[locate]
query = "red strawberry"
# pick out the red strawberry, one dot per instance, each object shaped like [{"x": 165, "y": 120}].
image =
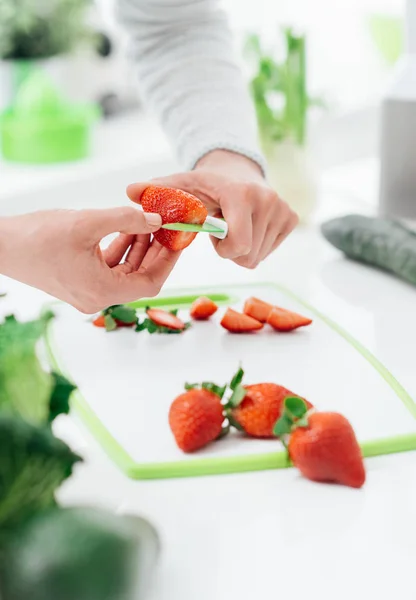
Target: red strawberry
[
  {"x": 174, "y": 206},
  {"x": 236, "y": 322},
  {"x": 261, "y": 407},
  {"x": 203, "y": 308},
  {"x": 257, "y": 309},
  {"x": 99, "y": 321},
  {"x": 165, "y": 319},
  {"x": 196, "y": 419},
  {"x": 322, "y": 446},
  {"x": 285, "y": 320}
]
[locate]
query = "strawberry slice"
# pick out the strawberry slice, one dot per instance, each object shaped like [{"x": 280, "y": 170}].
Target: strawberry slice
[
  {"x": 163, "y": 318},
  {"x": 258, "y": 309},
  {"x": 236, "y": 322},
  {"x": 174, "y": 206},
  {"x": 99, "y": 321},
  {"x": 285, "y": 320},
  {"x": 203, "y": 308}
]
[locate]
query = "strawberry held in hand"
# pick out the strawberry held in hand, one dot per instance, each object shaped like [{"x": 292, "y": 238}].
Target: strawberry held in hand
[
  {"x": 322, "y": 446},
  {"x": 174, "y": 206}
]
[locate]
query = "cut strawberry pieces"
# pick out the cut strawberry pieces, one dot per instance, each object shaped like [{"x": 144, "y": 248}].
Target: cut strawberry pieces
[
  {"x": 165, "y": 319},
  {"x": 203, "y": 308},
  {"x": 236, "y": 322},
  {"x": 258, "y": 309},
  {"x": 285, "y": 320}
]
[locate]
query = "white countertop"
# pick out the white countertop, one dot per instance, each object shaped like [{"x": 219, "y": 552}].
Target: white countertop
[{"x": 267, "y": 534}]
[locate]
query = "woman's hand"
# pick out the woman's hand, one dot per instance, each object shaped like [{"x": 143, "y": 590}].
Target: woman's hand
[
  {"x": 59, "y": 252},
  {"x": 232, "y": 185}
]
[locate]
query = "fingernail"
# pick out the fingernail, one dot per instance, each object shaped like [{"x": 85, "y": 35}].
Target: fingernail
[{"x": 153, "y": 219}]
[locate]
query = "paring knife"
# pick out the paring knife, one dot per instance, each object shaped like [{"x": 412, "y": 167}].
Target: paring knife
[{"x": 216, "y": 227}]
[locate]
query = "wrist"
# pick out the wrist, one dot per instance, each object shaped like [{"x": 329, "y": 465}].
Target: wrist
[{"x": 231, "y": 164}]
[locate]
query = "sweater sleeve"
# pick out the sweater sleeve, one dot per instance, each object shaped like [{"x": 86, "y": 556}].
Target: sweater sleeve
[{"x": 188, "y": 74}]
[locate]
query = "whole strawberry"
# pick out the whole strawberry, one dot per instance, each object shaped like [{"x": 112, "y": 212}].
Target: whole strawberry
[
  {"x": 260, "y": 408},
  {"x": 323, "y": 446},
  {"x": 196, "y": 418},
  {"x": 174, "y": 206}
]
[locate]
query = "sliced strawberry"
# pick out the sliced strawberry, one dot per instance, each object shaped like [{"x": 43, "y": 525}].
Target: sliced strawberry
[
  {"x": 285, "y": 320},
  {"x": 258, "y": 309},
  {"x": 236, "y": 322},
  {"x": 165, "y": 319},
  {"x": 174, "y": 206},
  {"x": 203, "y": 308},
  {"x": 99, "y": 321}
]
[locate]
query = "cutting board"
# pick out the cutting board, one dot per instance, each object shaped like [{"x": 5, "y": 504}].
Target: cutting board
[{"x": 128, "y": 380}]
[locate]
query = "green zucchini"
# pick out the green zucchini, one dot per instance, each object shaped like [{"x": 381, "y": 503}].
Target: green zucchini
[{"x": 382, "y": 243}]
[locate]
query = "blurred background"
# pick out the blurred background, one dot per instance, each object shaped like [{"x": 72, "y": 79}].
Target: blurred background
[{"x": 66, "y": 60}]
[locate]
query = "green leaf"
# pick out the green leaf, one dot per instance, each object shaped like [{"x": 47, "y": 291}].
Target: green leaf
[
  {"x": 237, "y": 396},
  {"x": 237, "y": 379},
  {"x": 192, "y": 386},
  {"x": 25, "y": 388},
  {"x": 212, "y": 387},
  {"x": 61, "y": 393},
  {"x": 234, "y": 423},
  {"x": 33, "y": 465},
  {"x": 174, "y": 312},
  {"x": 123, "y": 313},
  {"x": 110, "y": 324},
  {"x": 283, "y": 426},
  {"x": 296, "y": 407}
]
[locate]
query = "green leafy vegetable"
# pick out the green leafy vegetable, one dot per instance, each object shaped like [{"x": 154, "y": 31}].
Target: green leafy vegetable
[
  {"x": 33, "y": 463},
  {"x": 279, "y": 89},
  {"x": 61, "y": 393},
  {"x": 25, "y": 388}
]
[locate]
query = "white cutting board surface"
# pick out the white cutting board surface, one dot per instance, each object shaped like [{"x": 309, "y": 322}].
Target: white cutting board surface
[{"x": 130, "y": 379}]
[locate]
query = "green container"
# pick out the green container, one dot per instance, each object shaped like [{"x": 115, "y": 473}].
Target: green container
[{"x": 42, "y": 128}]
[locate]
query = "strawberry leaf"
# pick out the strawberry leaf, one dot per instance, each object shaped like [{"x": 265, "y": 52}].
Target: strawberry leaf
[
  {"x": 237, "y": 379},
  {"x": 234, "y": 423},
  {"x": 191, "y": 386},
  {"x": 110, "y": 324},
  {"x": 283, "y": 426},
  {"x": 237, "y": 396},
  {"x": 123, "y": 313},
  {"x": 174, "y": 312},
  {"x": 295, "y": 407},
  {"x": 213, "y": 387}
]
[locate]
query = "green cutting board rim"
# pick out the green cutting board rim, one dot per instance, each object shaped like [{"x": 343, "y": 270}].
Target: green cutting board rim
[{"x": 229, "y": 464}]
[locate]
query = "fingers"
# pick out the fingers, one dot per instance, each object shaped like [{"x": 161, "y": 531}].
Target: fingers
[
  {"x": 97, "y": 224},
  {"x": 135, "y": 190},
  {"x": 148, "y": 280},
  {"x": 237, "y": 211},
  {"x": 117, "y": 249},
  {"x": 135, "y": 255}
]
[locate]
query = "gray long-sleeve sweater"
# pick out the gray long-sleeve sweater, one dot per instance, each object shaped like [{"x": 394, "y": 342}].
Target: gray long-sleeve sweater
[{"x": 189, "y": 76}]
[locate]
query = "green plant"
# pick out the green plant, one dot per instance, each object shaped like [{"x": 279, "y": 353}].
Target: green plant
[
  {"x": 279, "y": 89},
  {"x": 36, "y": 29}
]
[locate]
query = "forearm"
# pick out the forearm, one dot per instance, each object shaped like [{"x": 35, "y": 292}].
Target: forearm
[{"x": 188, "y": 74}]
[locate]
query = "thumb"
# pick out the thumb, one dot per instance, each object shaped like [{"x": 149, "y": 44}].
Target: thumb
[{"x": 125, "y": 219}]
